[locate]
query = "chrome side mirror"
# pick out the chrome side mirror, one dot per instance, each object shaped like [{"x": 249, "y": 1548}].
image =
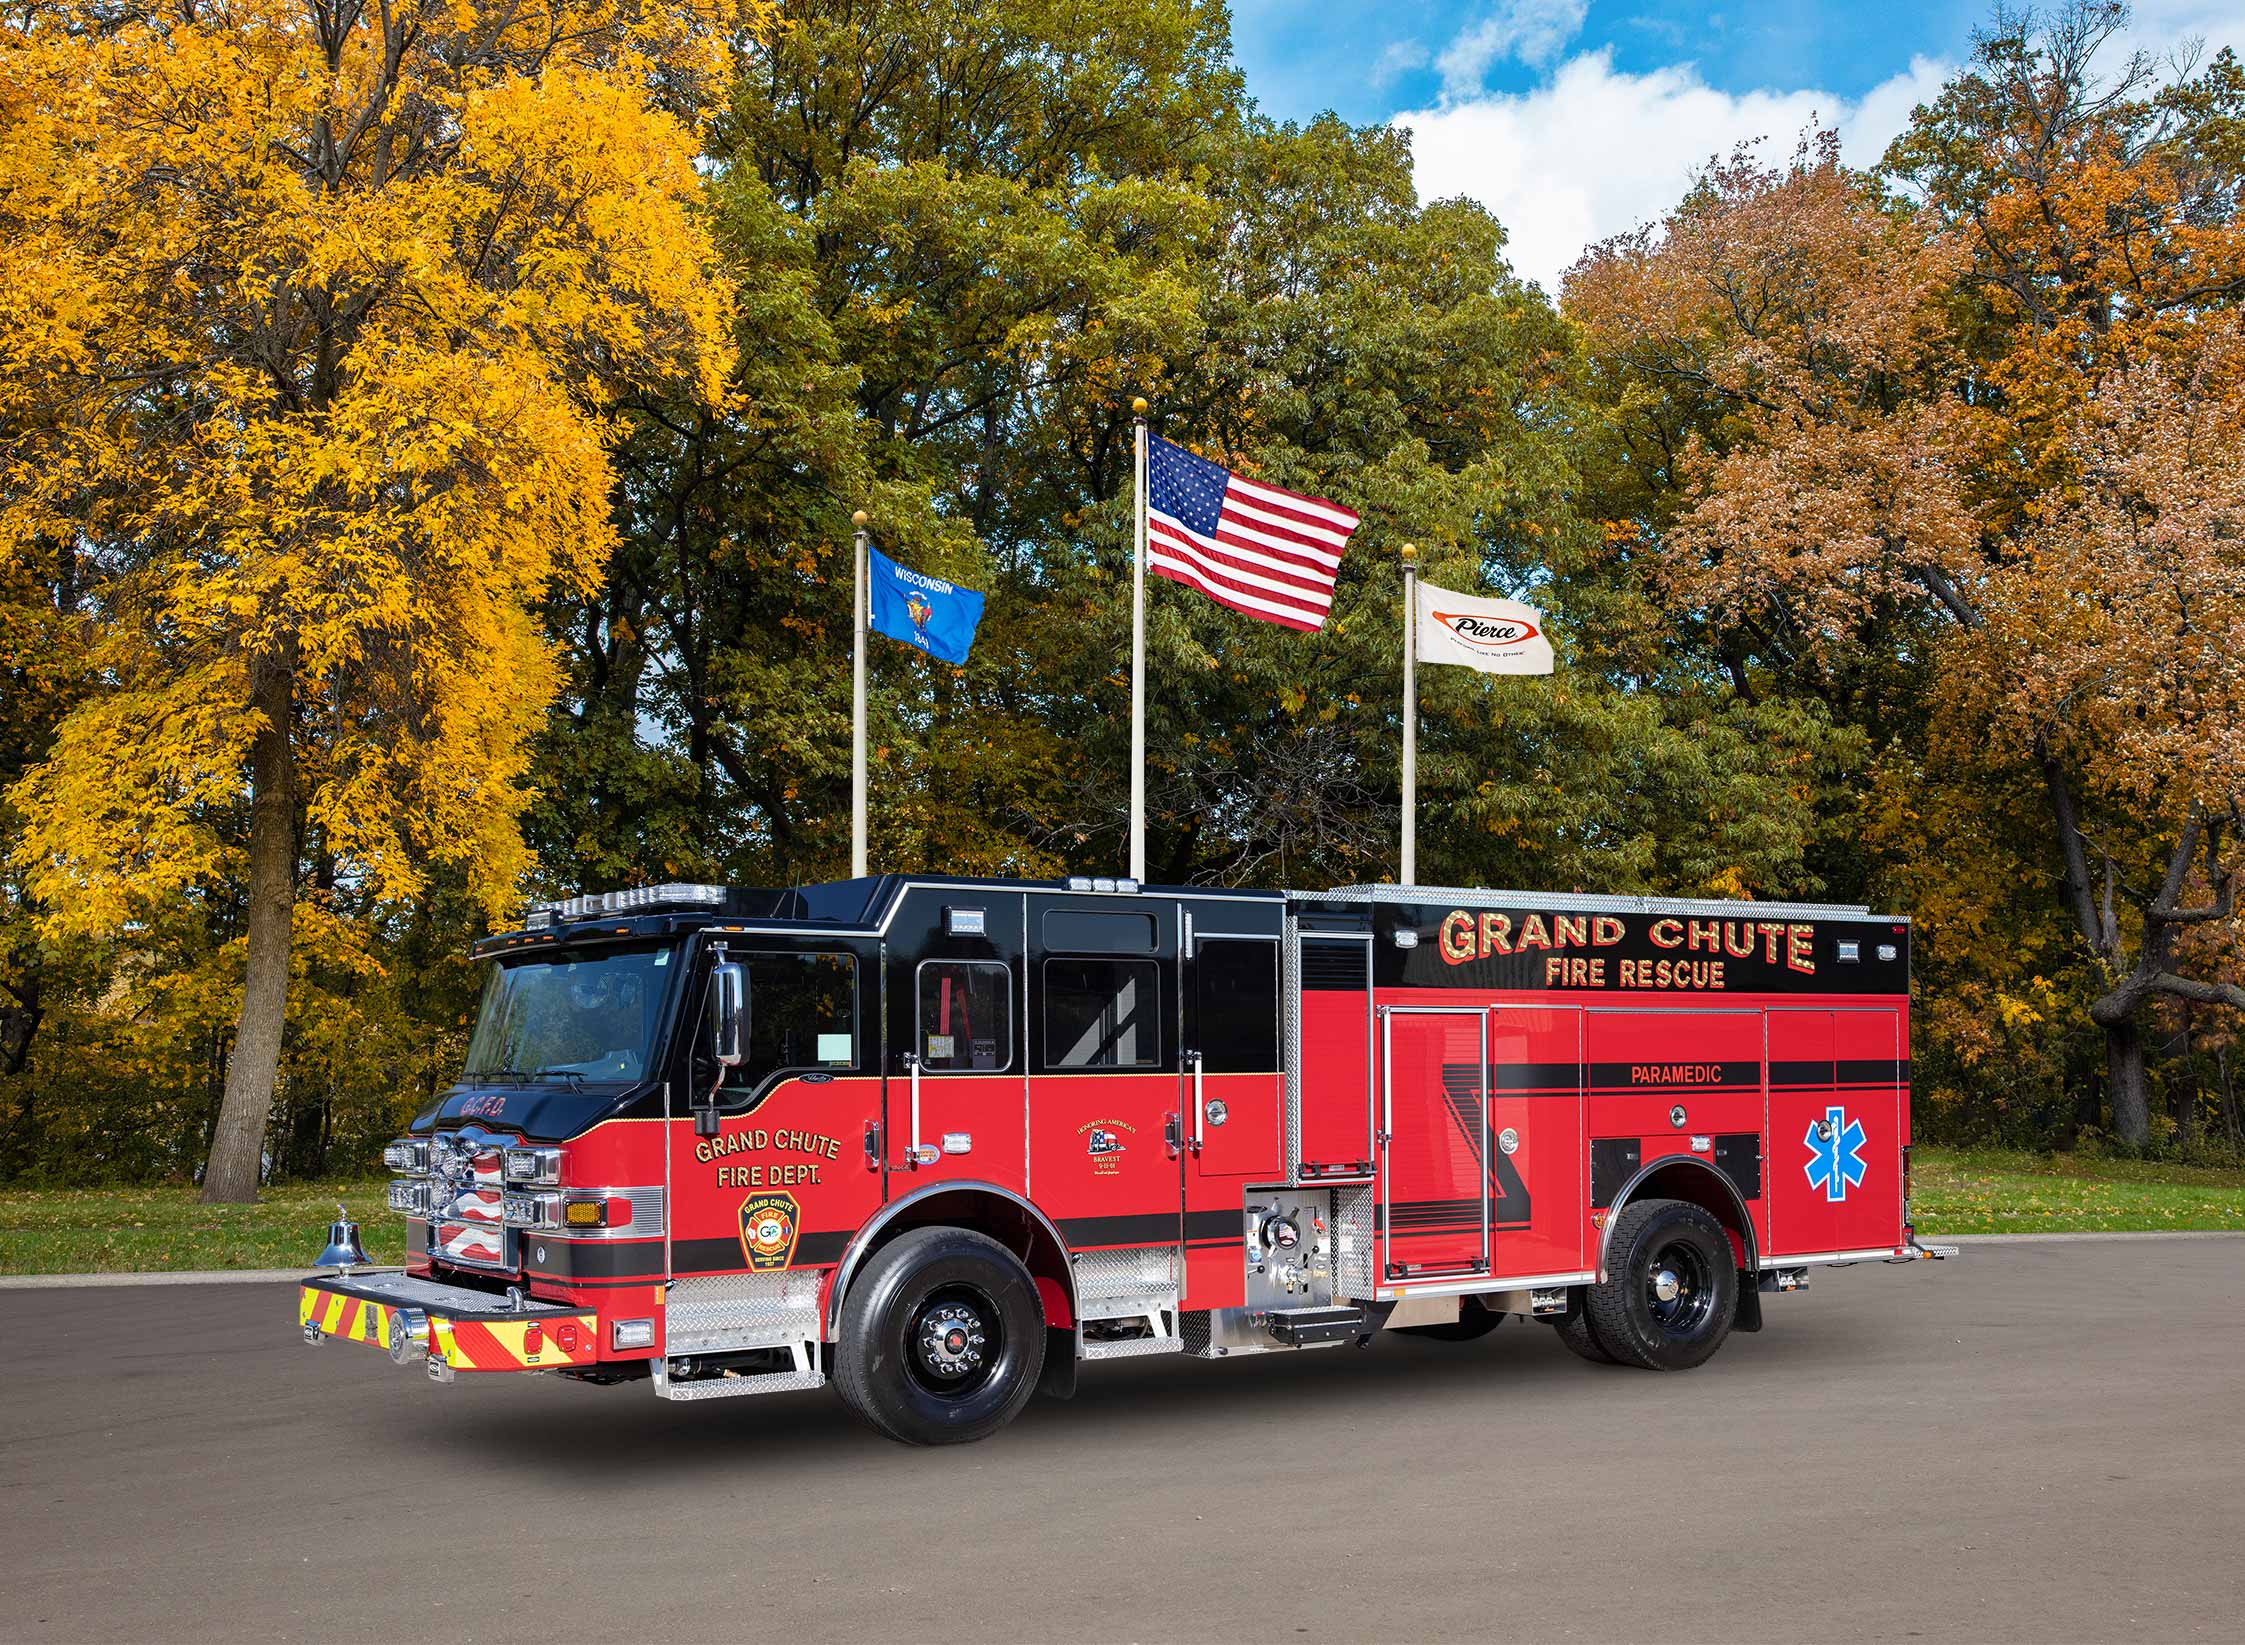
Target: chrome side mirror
[{"x": 728, "y": 1012}]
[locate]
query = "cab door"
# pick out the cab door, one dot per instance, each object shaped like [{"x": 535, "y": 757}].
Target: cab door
[
  {"x": 789, "y": 1176},
  {"x": 1105, "y": 1137},
  {"x": 958, "y": 1086}
]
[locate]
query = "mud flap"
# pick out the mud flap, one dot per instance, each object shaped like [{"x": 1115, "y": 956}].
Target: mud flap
[
  {"x": 1058, "y": 1378},
  {"x": 1749, "y": 1314}
]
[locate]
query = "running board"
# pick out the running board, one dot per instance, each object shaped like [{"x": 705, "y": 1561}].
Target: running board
[
  {"x": 739, "y": 1384},
  {"x": 1162, "y": 1336}
]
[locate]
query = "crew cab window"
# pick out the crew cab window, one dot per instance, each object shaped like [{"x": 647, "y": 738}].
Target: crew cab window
[
  {"x": 1101, "y": 1014},
  {"x": 802, "y": 1017},
  {"x": 966, "y": 1016}
]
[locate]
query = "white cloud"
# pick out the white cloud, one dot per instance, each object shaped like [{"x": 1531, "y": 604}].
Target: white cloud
[
  {"x": 1397, "y": 58},
  {"x": 1533, "y": 31},
  {"x": 1594, "y": 152}
]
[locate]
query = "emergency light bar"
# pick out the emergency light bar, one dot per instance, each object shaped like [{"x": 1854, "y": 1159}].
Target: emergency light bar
[{"x": 638, "y": 900}]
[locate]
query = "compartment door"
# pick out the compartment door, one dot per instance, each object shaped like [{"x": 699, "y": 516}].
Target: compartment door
[
  {"x": 1339, "y": 1099},
  {"x": 1231, "y": 1058},
  {"x": 1536, "y": 1119},
  {"x": 1434, "y": 1140},
  {"x": 1835, "y": 1131}
]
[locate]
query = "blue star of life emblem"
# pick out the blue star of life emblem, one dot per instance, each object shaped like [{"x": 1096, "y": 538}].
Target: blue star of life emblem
[{"x": 1835, "y": 1154}]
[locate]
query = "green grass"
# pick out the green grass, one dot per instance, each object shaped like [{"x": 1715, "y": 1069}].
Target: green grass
[
  {"x": 145, "y": 1230},
  {"x": 1990, "y": 1191},
  {"x": 1959, "y": 1191}
]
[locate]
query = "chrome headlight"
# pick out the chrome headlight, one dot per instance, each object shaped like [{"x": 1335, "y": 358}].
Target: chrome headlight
[
  {"x": 531, "y": 1211},
  {"x": 408, "y": 1156},
  {"x": 538, "y": 1165},
  {"x": 410, "y": 1197}
]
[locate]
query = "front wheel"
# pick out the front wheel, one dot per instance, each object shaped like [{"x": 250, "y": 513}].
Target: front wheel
[
  {"x": 1671, "y": 1287},
  {"x": 942, "y": 1337}
]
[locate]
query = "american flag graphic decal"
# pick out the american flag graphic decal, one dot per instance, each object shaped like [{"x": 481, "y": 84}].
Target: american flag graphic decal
[{"x": 1269, "y": 553}]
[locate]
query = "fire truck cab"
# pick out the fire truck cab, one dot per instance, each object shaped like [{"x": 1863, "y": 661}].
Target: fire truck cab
[{"x": 939, "y": 1141}]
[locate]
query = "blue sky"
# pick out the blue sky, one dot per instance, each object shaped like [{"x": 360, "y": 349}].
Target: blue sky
[{"x": 1576, "y": 119}]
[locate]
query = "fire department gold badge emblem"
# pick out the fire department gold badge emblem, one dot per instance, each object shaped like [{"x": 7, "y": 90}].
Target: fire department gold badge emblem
[{"x": 768, "y": 1227}]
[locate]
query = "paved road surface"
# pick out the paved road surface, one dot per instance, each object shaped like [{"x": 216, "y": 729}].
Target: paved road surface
[{"x": 2036, "y": 1443}]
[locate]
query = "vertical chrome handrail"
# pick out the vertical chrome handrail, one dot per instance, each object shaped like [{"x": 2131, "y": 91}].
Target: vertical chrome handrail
[
  {"x": 1200, "y": 1103},
  {"x": 914, "y": 1154}
]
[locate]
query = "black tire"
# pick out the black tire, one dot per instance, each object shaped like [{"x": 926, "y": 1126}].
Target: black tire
[
  {"x": 1573, "y": 1329},
  {"x": 942, "y": 1338},
  {"x": 1671, "y": 1289},
  {"x": 1473, "y": 1323}
]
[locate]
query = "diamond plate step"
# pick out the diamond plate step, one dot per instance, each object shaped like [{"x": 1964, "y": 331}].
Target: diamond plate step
[
  {"x": 1130, "y": 1346},
  {"x": 738, "y": 1384},
  {"x": 1130, "y": 1306},
  {"x": 729, "y": 1312},
  {"x": 734, "y": 1387},
  {"x": 1127, "y": 1283}
]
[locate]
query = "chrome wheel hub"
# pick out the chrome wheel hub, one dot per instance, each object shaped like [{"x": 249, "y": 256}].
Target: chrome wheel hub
[
  {"x": 951, "y": 1339},
  {"x": 1679, "y": 1290}
]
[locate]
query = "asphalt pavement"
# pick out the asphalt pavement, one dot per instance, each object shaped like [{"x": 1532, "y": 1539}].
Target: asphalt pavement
[{"x": 2038, "y": 1442}]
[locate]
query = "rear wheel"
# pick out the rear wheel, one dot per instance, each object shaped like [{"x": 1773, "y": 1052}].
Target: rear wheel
[
  {"x": 1671, "y": 1287},
  {"x": 1473, "y": 1323},
  {"x": 942, "y": 1337},
  {"x": 1573, "y": 1329}
]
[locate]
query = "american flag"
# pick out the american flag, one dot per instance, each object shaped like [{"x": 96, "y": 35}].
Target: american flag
[{"x": 1270, "y": 553}]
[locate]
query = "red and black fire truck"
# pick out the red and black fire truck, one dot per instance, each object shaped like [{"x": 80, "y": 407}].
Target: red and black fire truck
[{"x": 939, "y": 1141}]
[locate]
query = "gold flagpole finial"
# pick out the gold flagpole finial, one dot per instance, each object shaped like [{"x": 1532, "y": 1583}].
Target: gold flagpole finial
[
  {"x": 1410, "y": 551},
  {"x": 859, "y": 518},
  {"x": 1138, "y": 407}
]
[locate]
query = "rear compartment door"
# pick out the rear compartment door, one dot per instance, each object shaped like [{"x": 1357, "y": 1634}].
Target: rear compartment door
[
  {"x": 1835, "y": 1131},
  {"x": 1536, "y": 1122},
  {"x": 1434, "y": 1140}
]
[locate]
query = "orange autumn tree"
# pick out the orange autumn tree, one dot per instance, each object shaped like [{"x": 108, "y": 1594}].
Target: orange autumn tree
[
  {"x": 1877, "y": 406},
  {"x": 2114, "y": 647},
  {"x": 312, "y": 316}
]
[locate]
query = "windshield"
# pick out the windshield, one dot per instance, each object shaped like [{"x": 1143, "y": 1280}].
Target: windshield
[{"x": 571, "y": 1018}]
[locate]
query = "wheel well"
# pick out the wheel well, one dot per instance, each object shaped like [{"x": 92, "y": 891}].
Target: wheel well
[
  {"x": 985, "y": 1210},
  {"x": 1681, "y": 1177}
]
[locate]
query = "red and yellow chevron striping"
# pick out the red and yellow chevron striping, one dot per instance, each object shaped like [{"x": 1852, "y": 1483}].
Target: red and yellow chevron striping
[{"x": 542, "y": 1344}]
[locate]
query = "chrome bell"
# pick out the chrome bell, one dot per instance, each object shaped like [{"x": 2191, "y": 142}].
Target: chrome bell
[{"x": 344, "y": 1252}]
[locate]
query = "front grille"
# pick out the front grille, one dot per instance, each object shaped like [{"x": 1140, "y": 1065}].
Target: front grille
[{"x": 467, "y": 1201}]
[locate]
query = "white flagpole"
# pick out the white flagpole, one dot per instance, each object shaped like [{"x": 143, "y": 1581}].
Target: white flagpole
[
  {"x": 1410, "y": 874},
  {"x": 859, "y": 594},
  {"x": 1138, "y": 655}
]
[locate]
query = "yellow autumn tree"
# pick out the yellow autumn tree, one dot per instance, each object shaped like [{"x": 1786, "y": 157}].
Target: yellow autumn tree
[{"x": 312, "y": 320}]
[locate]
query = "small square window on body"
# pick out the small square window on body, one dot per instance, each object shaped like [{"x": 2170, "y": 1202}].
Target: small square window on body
[{"x": 966, "y": 1016}]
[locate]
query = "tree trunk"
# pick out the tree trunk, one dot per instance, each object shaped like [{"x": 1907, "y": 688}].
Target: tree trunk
[
  {"x": 238, "y": 1146},
  {"x": 2124, "y": 1078},
  {"x": 2229, "y": 1096},
  {"x": 2183, "y": 1086}
]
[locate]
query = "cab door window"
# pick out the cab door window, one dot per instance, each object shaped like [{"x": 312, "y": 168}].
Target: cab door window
[
  {"x": 802, "y": 1018},
  {"x": 966, "y": 1016},
  {"x": 1101, "y": 1013}
]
